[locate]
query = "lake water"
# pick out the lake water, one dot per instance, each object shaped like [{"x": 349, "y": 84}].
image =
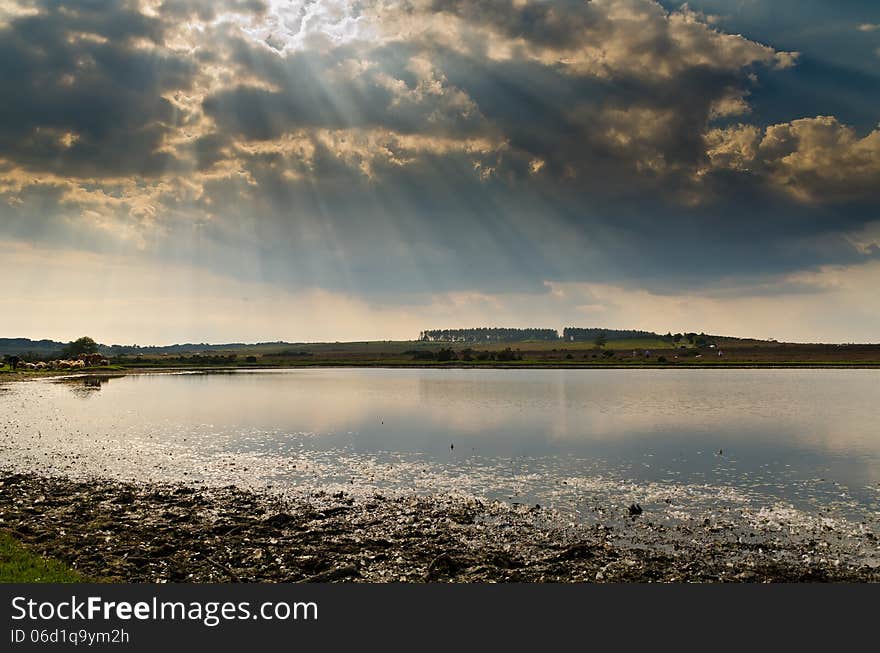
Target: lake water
[{"x": 801, "y": 440}]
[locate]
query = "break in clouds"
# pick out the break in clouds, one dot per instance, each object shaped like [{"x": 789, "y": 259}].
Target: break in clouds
[{"x": 406, "y": 148}]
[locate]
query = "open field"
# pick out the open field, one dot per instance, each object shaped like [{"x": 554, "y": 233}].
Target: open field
[
  {"x": 535, "y": 354},
  {"x": 615, "y": 353}
]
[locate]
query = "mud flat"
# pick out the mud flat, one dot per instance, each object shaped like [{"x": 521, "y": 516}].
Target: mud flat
[{"x": 127, "y": 532}]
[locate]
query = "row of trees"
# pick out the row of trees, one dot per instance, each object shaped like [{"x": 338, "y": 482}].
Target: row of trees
[
  {"x": 576, "y": 334},
  {"x": 494, "y": 334},
  {"x": 698, "y": 339},
  {"x": 46, "y": 350},
  {"x": 487, "y": 334},
  {"x": 569, "y": 334}
]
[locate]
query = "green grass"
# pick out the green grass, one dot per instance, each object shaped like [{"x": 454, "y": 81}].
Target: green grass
[
  {"x": 640, "y": 343},
  {"x": 18, "y": 565}
]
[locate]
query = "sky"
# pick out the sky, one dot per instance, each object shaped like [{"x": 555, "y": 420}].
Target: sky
[{"x": 321, "y": 170}]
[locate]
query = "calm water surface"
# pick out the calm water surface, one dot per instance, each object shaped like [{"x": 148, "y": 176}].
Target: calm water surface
[{"x": 808, "y": 439}]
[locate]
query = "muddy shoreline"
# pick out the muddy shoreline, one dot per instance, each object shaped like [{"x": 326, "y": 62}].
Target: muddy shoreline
[{"x": 125, "y": 532}]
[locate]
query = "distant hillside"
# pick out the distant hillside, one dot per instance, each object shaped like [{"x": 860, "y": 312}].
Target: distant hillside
[
  {"x": 28, "y": 348},
  {"x": 541, "y": 338},
  {"x": 19, "y": 346}
]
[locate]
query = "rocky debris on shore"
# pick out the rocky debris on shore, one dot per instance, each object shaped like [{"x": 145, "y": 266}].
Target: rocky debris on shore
[{"x": 126, "y": 532}]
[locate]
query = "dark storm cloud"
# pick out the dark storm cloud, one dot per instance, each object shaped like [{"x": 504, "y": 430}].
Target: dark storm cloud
[
  {"x": 547, "y": 111},
  {"x": 316, "y": 90},
  {"x": 593, "y": 211},
  {"x": 566, "y": 121},
  {"x": 559, "y": 24},
  {"x": 495, "y": 145},
  {"x": 434, "y": 225},
  {"x": 541, "y": 112},
  {"x": 80, "y": 98}
]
